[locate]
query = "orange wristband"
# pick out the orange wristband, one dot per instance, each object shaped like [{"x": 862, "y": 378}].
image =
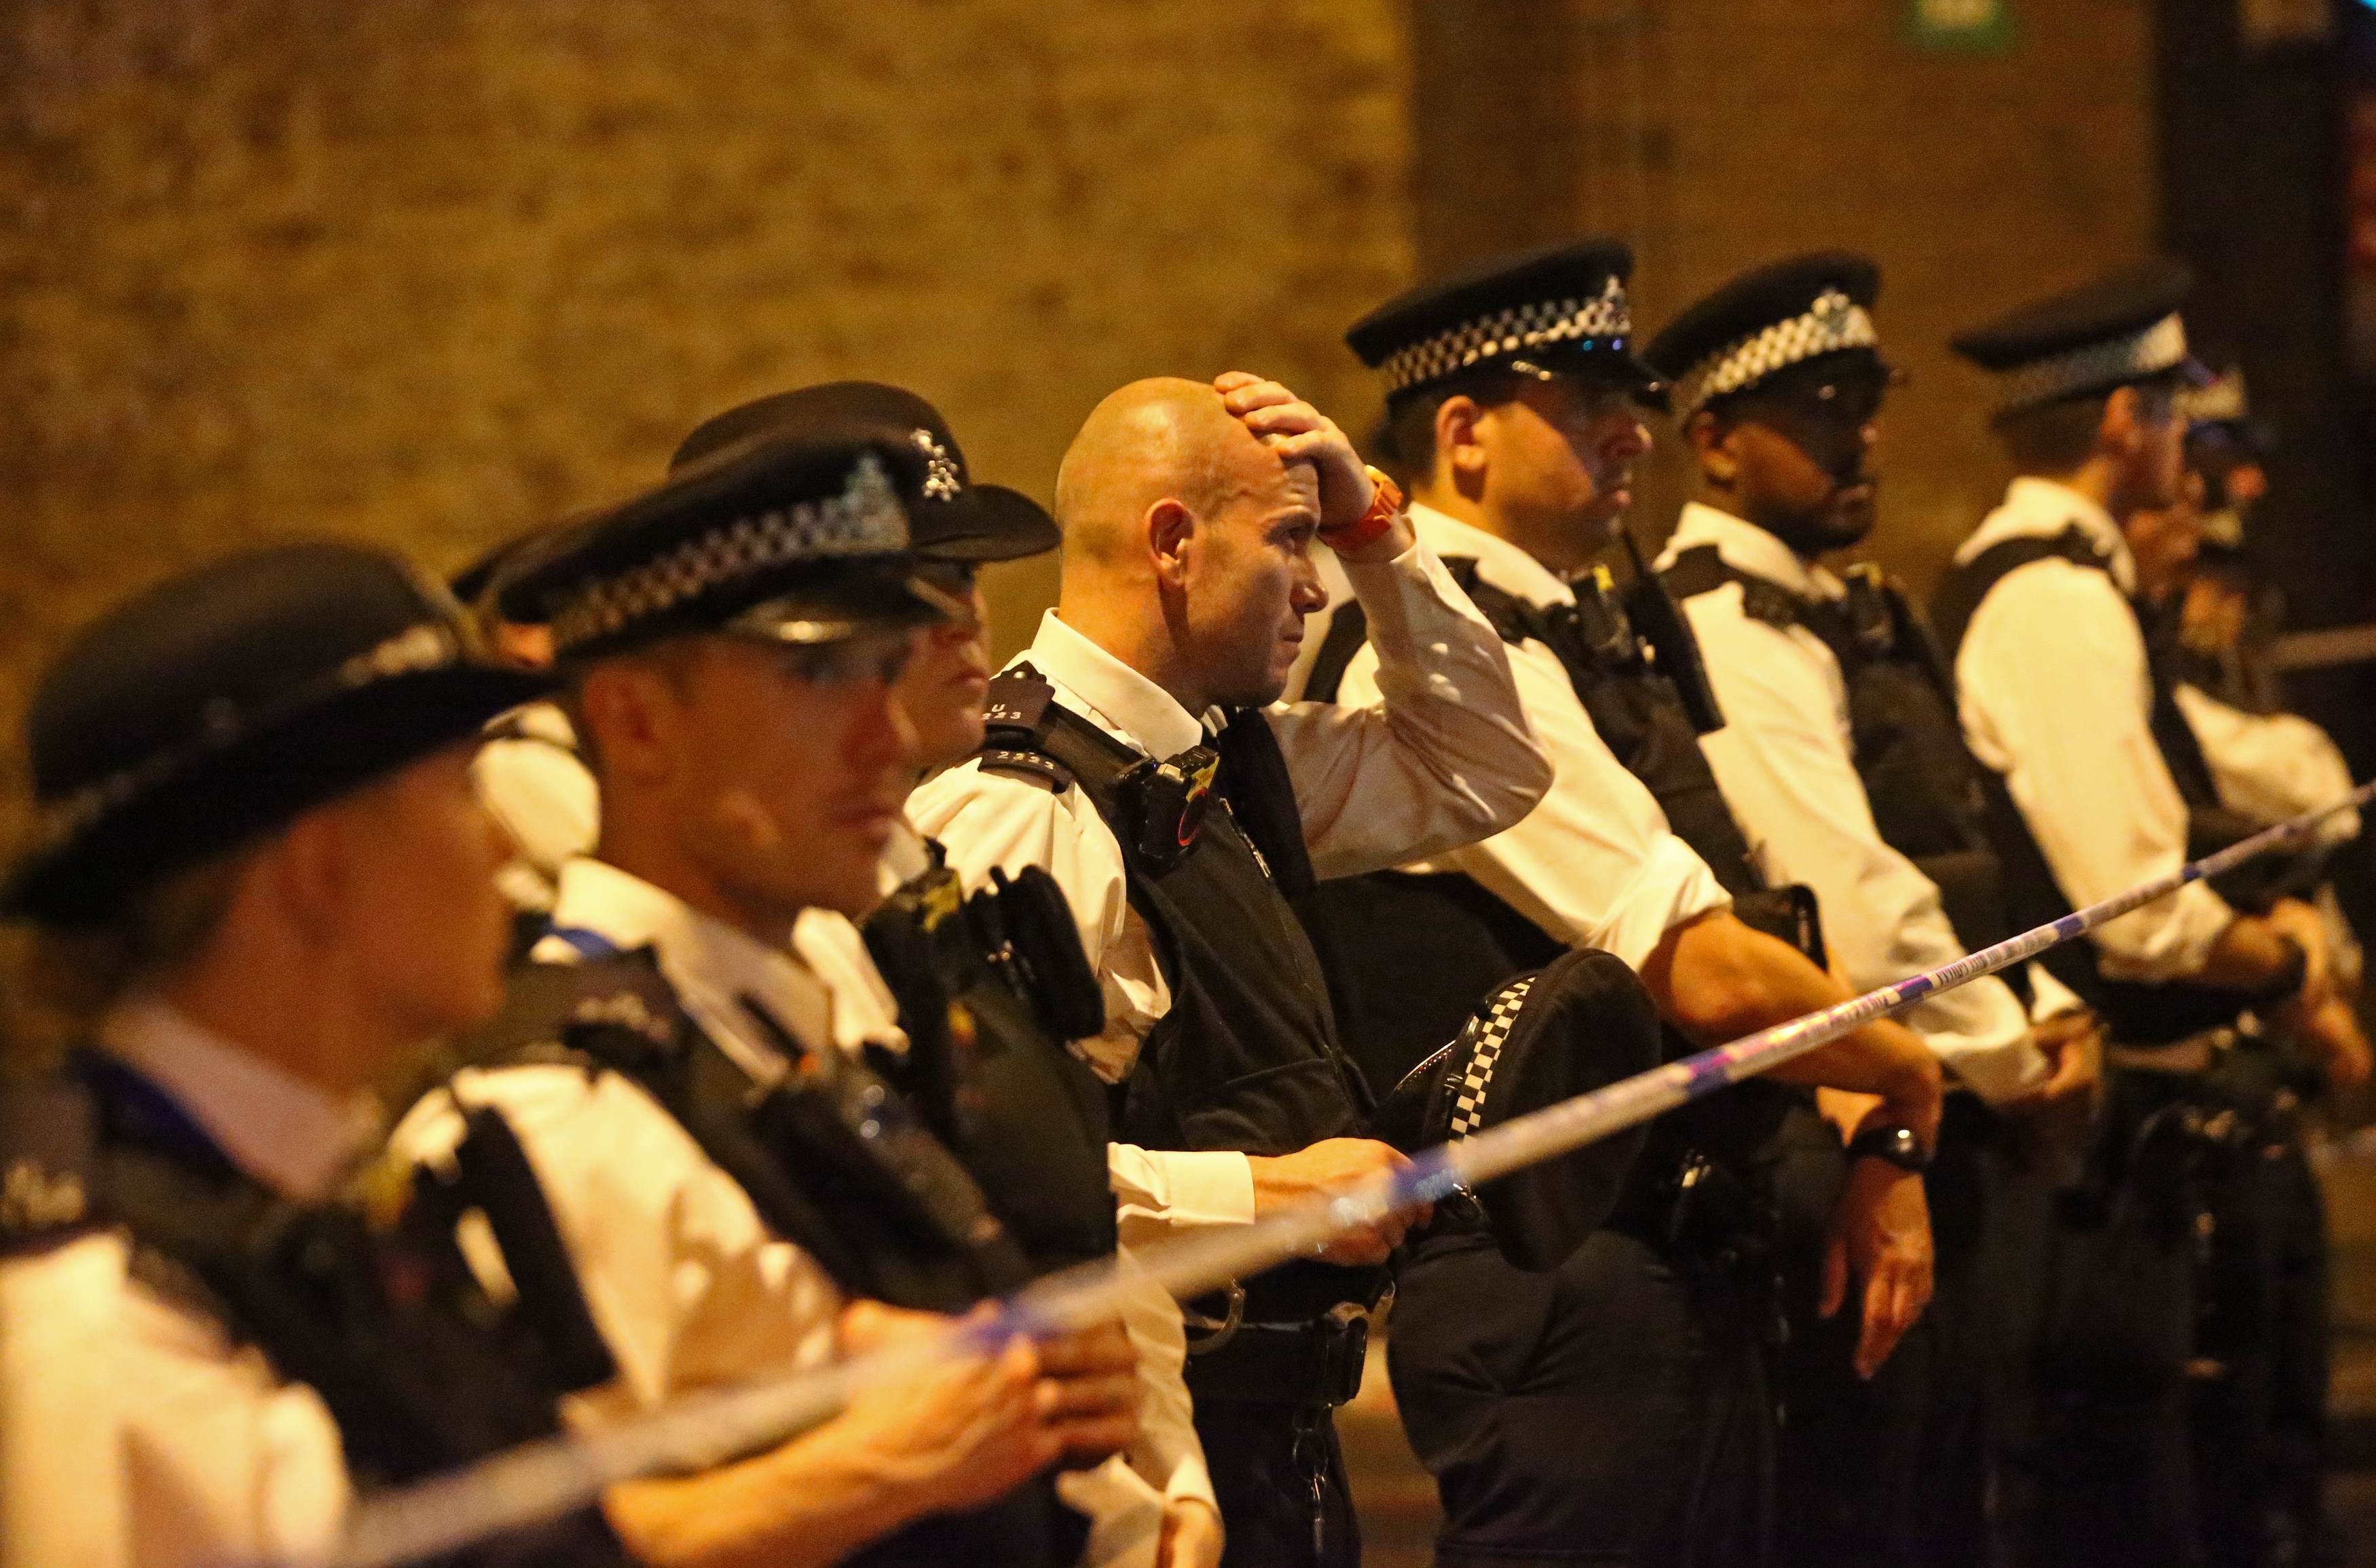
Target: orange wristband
[{"x": 1385, "y": 505}]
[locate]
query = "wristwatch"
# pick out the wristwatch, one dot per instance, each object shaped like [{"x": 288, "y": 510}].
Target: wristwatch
[
  {"x": 1898, "y": 1145},
  {"x": 1385, "y": 505}
]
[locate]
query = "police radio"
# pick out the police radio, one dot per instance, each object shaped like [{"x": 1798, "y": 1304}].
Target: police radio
[{"x": 1660, "y": 620}]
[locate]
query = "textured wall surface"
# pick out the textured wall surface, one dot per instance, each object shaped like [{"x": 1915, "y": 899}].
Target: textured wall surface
[
  {"x": 433, "y": 271},
  {"x": 1718, "y": 134}
]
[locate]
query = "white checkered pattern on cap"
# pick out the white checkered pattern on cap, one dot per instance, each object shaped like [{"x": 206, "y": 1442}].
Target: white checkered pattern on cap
[
  {"x": 2223, "y": 402},
  {"x": 1492, "y": 1033},
  {"x": 1509, "y": 331},
  {"x": 1833, "y": 323},
  {"x": 2130, "y": 357},
  {"x": 865, "y": 519}
]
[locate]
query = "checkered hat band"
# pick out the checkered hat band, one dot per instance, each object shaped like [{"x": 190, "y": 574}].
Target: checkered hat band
[
  {"x": 2222, "y": 402},
  {"x": 1492, "y": 1033},
  {"x": 1833, "y": 323},
  {"x": 2134, "y": 357},
  {"x": 431, "y": 645},
  {"x": 865, "y": 519},
  {"x": 1510, "y": 331}
]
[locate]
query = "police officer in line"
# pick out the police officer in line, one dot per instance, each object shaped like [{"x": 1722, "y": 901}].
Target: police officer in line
[
  {"x": 1842, "y": 758},
  {"x": 1188, "y": 512},
  {"x": 1023, "y": 1070},
  {"x": 255, "y": 821},
  {"x": 1615, "y": 1406},
  {"x": 2059, "y": 698},
  {"x": 731, "y": 640},
  {"x": 2259, "y": 1388}
]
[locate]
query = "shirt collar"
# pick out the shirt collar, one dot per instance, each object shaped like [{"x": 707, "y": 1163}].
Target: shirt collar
[
  {"x": 711, "y": 965},
  {"x": 2041, "y": 508},
  {"x": 1112, "y": 692},
  {"x": 295, "y": 1137},
  {"x": 1748, "y": 548},
  {"x": 1499, "y": 562}
]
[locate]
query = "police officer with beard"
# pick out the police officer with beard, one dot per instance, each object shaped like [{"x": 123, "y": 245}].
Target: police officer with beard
[
  {"x": 1615, "y": 1407},
  {"x": 1843, "y": 761}
]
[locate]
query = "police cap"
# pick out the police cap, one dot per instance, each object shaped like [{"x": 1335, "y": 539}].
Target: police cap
[
  {"x": 223, "y": 702},
  {"x": 1580, "y": 1023},
  {"x": 2113, "y": 332},
  {"x": 1765, "y": 321},
  {"x": 949, "y": 517},
  {"x": 796, "y": 533},
  {"x": 1557, "y": 311}
]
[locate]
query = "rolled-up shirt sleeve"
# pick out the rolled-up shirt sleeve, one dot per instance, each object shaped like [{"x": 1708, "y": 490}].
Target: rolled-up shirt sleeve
[
  {"x": 2055, "y": 696},
  {"x": 1595, "y": 863},
  {"x": 1437, "y": 754},
  {"x": 2271, "y": 766}
]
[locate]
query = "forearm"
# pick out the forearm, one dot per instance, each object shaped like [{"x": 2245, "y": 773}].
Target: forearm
[
  {"x": 1717, "y": 981},
  {"x": 808, "y": 1504}
]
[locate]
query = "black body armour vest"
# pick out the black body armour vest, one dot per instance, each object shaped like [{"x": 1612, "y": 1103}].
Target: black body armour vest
[
  {"x": 1247, "y": 1058},
  {"x": 1411, "y": 955},
  {"x": 2139, "y": 1015},
  {"x": 369, "y": 1303},
  {"x": 835, "y": 1160},
  {"x": 1929, "y": 794}
]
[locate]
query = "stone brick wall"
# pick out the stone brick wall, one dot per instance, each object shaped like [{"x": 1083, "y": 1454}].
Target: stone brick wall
[
  {"x": 1718, "y": 134},
  {"x": 431, "y": 271}
]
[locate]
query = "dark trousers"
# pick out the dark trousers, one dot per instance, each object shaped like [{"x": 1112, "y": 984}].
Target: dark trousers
[
  {"x": 2106, "y": 1472},
  {"x": 1892, "y": 1472},
  {"x": 1279, "y": 1478},
  {"x": 2257, "y": 1395},
  {"x": 1612, "y": 1411}
]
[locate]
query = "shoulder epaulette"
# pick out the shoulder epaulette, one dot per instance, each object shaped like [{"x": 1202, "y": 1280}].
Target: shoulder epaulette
[
  {"x": 49, "y": 1151},
  {"x": 1014, "y": 719}
]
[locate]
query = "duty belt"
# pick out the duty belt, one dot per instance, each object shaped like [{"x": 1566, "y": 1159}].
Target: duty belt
[{"x": 1269, "y": 1348}]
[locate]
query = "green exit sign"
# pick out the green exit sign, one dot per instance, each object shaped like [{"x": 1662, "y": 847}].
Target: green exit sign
[{"x": 1962, "y": 24}]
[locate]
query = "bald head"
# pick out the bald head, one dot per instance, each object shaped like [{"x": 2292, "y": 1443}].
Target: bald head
[{"x": 1164, "y": 438}]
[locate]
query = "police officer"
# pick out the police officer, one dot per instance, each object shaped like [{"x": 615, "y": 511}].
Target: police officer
[
  {"x": 1188, "y": 513},
  {"x": 256, "y": 818},
  {"x": 728, "y": 1164},
  {"x": 2059, "y": 698},
  {"x": 1023, "y": 1071},
  {"x": 1615, "y": 1405},
  {"x": 1840, "y": 750}
]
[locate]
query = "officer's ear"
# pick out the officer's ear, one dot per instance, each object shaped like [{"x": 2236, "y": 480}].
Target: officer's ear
[
  {"x": 1171, "y": 536},
  {"x": 1461, "y": 451},
  {"x": 633, "y": 713},
  {"x": 1710, "y": 440}
]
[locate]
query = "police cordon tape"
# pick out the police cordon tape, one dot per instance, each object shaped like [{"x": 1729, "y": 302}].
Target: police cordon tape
[{"x": 543, "y": 1481}]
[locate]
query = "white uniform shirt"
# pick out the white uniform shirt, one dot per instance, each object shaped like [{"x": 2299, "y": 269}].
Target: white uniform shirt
[
  {"x": 1785, "y": 761},
  {"x": 688, "y": 1285},
  {"x": 2271, "y": 766},
  {"x": 134, "y": 1432},
  {"x": 2055, "y": 694},
  {"x": 1595, "y": 865},
  {"x": 1442, "y": 756}
]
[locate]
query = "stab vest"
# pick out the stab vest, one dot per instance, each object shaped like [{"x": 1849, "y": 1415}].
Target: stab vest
[
  {"x": 1929, "y": 794},
  {"x": 1247, "y": 1057},
  {"x": 378, "y": 1313},
  {"x": 1413, "y": 955},
  {"x": 835, "y": 1159},
  {"x": 2141, "y": 1015}
]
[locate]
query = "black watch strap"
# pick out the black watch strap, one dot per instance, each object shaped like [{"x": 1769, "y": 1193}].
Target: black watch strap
[{"x": 1898, "y": 1145}]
